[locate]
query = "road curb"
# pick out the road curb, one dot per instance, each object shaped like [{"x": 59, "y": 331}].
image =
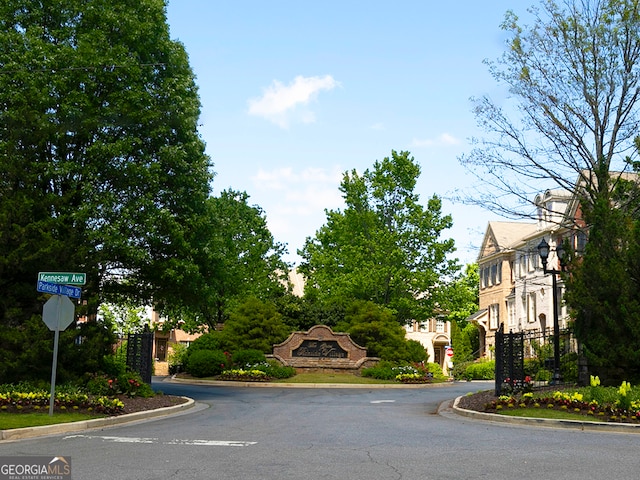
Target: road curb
[
  {"x": 547, "y": 422},
  {"x": 29, "y": 432},
  {"x": 225, "y": 383}
]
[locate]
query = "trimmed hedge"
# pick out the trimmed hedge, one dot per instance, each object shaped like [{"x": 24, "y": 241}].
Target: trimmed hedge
[{"x": 206, "y": 363}]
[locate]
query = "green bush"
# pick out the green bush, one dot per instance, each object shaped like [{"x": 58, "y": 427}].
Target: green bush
[
  {"x": 386, "y": 370},
  {"x": 569, "y": 367},
  {"x": 206, "y": 363},
  {"x": 115, "y": 364},
  {"x": 248, "y": 357},
  {"x": 481, "y": 370},
  {"x": 101, "y": 385},
  {"x": 383, "y": 370},
  {"x": 128, "y": 383},
  {"x": 459, "y": 371},
  {"x": 131, "y": 385},
  {"x": 436, "y": 371},
  {"x": 209, "y": 341},
  {"x": 543, "y": 375},
  {"x": 274, "y": 369}
]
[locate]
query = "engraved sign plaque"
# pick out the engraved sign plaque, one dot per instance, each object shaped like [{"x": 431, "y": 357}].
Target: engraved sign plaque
[{"x": 320, "y": 349}]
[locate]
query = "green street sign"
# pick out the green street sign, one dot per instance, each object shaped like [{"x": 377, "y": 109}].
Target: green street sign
[{"x": 64, "y": 278}]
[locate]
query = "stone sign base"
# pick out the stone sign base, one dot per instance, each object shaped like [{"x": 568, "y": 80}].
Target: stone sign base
[{"x": 320, "y": 349}]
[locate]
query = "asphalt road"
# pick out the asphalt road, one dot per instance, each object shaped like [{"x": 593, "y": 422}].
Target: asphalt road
[{"x": 325, "y": 433}]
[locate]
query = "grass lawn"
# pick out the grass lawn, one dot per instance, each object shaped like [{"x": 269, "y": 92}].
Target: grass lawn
[
  {"x": 32, "y": 419},
  {"x": 547, "y": 413}
]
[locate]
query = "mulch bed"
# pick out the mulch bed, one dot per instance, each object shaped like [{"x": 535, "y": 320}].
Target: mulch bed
[
  {"x": 139, "y": 404},
  {"x": 477, "y": 401}
]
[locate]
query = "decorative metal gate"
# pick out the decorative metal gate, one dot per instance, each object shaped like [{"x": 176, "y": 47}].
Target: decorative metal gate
[
  {"x": 140, "y": 354},
  {"x": 509, "y": 360},
  {"x": 536, "y": 346}
]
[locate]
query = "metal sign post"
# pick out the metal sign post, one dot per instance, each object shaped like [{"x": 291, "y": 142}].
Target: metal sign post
[{"x": 57, "y": 314}]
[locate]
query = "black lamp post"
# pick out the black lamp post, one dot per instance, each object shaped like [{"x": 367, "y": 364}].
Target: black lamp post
[{"x": 543, "y": 250}]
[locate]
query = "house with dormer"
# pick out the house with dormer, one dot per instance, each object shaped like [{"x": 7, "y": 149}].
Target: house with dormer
[{"x": 514, "y": 290}]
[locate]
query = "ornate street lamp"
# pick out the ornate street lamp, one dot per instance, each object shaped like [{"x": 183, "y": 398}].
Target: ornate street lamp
[{"x": 543, "y": 250}]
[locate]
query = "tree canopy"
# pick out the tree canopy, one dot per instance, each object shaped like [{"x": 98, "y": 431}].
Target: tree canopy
[
  {"x": 573, "y": 76},
  {"x": 384, "y": 247},
  {"x": 572, "y": 123},
  {"x": 102, "y": 169},
  {"x": 234, "y": 256}
]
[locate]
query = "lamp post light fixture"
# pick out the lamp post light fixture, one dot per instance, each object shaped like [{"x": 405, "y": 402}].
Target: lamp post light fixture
[{"x": 543, "y": 250}]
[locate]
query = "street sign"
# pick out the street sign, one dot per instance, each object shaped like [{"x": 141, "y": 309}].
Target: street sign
[
  {"x": 58, "y": 313},
  {"x": 57, "y": 289},
  {"x": 449, "y": 351},
  {"x": 66, "y": 278}
]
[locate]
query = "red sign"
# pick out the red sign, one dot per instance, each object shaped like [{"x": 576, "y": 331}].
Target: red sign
[{"x": 449, "y": 351}]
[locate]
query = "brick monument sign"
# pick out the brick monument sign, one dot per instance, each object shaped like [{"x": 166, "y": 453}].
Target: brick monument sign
[{"x": 321, "y": 349}]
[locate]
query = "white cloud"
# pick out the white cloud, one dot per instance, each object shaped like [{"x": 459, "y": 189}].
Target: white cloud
[
  {"x": 280, "y": 103},
  {"x": 444, "y": 139},
  {"x": 295, "y": 201}
]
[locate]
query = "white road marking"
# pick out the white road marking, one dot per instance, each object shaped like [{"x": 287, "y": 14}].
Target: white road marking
[
  {"x": 382, "y": 401},
  {"x": 205, "y": 443}
]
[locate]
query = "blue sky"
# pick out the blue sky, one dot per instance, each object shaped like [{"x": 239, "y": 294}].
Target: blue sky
[{"x": 294, "y": 93}]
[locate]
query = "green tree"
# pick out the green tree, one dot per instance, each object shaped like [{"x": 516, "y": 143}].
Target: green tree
[
  {"x": 124, "y": 319},
  {"x": 102, "y": 169},
  {"x": 236, "y": 257},
  {"x": 384, "y": 247},
  {"x": 256, "y": 325},
  {"x": 463, "y": 294},
  {"x": 375, "y": 328},
  {"x": 574, "y": 77},
  {"x": 604, "y": 295}
]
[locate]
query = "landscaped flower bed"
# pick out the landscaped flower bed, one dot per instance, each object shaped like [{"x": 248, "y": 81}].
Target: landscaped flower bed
[
  {"x": 241, "y": 375},
  {"x": 34, "y": 401},
  {"x": 595, "y": 402}
]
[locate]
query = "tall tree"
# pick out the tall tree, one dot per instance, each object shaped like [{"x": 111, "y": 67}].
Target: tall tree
[
  {"x": 603, "y": 290},
  {"x": 384, "y": 247},
  {"x": 463, "y": 293},
  {"x": 575, "y": 78},
  {"x": 574, "y": 81},
  {"x": 102, "y": 169},
  {"x": 235, "y": 256}
]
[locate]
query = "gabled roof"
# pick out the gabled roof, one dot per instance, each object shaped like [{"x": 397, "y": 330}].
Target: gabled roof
[{"x": 503, "y": 236}]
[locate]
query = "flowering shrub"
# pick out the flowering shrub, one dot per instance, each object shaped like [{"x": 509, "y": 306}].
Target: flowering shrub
[
  {"x": 413, "y": 374},
  {"x": 129, "y": 384},
  {"x": 37, "y": 400},
  {"x": 587, "y": 401},
  {"x": 244, "y": 375}
]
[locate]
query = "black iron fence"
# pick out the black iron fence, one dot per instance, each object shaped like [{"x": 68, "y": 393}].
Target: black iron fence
[
  {"x": 525, "y": 360},
  {"x": 140, "y": 354}
]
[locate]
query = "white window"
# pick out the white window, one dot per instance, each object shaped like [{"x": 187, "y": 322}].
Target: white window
[
  {"x": 440, "y": 326},
  {"x": 511, "y": 312},
  {"x": 531, "y": 307},
  {"x": 494, "y": 316}
]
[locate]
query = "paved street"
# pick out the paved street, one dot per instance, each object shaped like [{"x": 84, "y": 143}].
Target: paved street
[{"x": 323, "y": 433}]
